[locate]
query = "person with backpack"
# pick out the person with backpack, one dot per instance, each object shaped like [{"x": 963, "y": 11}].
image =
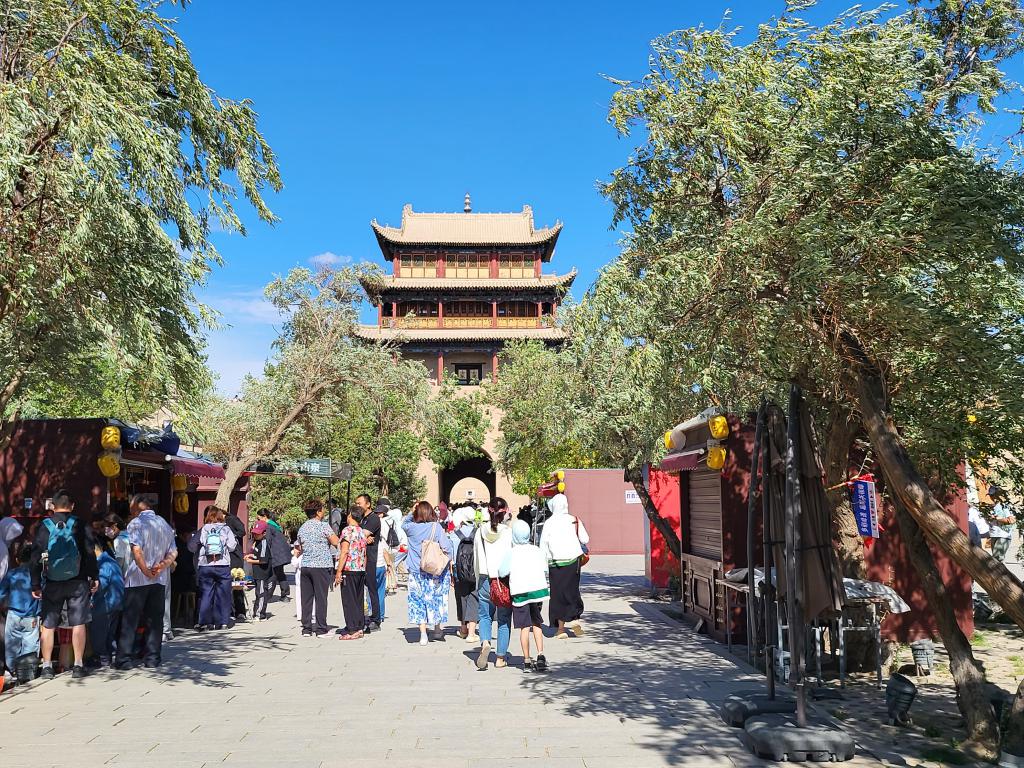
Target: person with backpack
[
  {"x": 214, "y": 545},
  {"x": 147, "y": 582},
  {"x": 21, "y": 630},
  {"x": 491, "y": 544},
  {"x": 237, "y": 559},
  {"x": 430, "y": 574},
  {"x": 467, "y": 600},
  {"x": 388, "y": 543},
  {"x": 107, "y": 604},
  {"x": 370, "y": 523},
  {"x": 262, "y": 571},
  {"x": 63, "y": 552},
  {"x": 563, "y": 542}
]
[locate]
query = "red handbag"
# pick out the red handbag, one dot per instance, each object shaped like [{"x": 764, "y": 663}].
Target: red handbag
[{"x": 501, "y": 597}]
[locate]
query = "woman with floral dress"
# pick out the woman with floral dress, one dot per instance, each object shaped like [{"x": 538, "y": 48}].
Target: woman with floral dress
[{"x": 428, "y": 594}]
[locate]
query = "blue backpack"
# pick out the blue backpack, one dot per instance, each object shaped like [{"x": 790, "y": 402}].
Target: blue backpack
[{"x": 63, "y": 560}]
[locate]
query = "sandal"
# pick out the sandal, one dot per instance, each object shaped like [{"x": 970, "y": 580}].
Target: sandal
[
  {"x": 501, "y": 663},
  {"x": 345, "y": 637},
  {"x": 562, "y": 636}
]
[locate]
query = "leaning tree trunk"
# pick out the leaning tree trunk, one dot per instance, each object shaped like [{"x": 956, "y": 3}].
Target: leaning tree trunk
[
  {"x": 842, "y": 429},
  {"x": 968, "y": 676},
  {"x": 636, "y": 477},
  {"x": 232, "y": 474},
  {"x": 906, "y": 484}
]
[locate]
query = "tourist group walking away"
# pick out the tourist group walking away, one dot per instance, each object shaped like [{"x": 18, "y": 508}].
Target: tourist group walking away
[{"x": 107, "y": 586}]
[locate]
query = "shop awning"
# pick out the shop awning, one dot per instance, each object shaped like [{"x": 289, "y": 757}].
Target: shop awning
[
  {"x": 195, "y": 467},
  {"x": 548, "y": 489},
  {"x": 683, "y": 461}
]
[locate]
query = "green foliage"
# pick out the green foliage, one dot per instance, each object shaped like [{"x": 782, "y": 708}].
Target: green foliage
[
  {"x": 820, "y": 184},
  {"x": 455, "y": 425},
  {"x": 116, "y": 161}
]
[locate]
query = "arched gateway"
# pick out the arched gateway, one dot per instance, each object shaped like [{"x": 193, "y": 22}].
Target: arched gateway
[{"x": 464, "y": 284}]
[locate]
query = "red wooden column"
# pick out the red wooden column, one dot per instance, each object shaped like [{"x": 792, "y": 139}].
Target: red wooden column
[
  {"x": 441, "y": 264},
  {"x": 440, "y": 314},
  {"x": 494, "y": 366},
  {"x": 494, "y": 264},
  {"x": 397, "y": 265},
  {"x": 494, "y": 314},
  {"x": 536, "y": 267},
  {"x": 440, "y": 365},
  {"x": 380, "y": 313},
  {"x": 394, "y": 311}
]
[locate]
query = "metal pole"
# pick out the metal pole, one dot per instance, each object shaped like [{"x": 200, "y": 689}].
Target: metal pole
[
  {"x": 794, "y": 573},
  {"x": 751, "y": 507},
  {"x": 769, "y": 560}
]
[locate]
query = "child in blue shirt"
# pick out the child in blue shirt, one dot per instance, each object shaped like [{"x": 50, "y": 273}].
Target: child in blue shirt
[
  {"x": 107, "y": 603},
  {"x": 21, "y": 634}
]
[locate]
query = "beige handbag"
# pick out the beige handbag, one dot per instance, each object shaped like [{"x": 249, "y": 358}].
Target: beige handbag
[{"x": 433, "y": 559}]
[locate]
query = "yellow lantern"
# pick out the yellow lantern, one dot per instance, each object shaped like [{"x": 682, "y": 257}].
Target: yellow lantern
[
  {"x": 181, "y": 503},
  {"x": 560, "y": 487},
  {"x": 668, "y": 440},
  {"x": 560, "y": 475},
  {"x": 179, "y": 483},
  {"x": 718, "y": 426},
  {"x": 716, "y": 457},
  {"x": 110, "y": 438},
  {"x": 109, "y": 464}
]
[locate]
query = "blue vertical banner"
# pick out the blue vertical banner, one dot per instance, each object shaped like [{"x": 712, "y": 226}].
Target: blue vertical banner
[{"x": 865, "y": 507}]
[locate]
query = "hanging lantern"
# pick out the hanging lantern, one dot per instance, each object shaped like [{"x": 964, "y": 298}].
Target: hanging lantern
[
  {"x": 179, "y": 483},
  {"x": 109, "y": 464},
  {"x": 719, "y": 427},
  {"x": 181, "y": 503},
  {"x": 561, "y": 487},
  {"x": 560, "y": 474},
  {"x": 716, "y": 457},
  {"x": 110, "y": 438}
]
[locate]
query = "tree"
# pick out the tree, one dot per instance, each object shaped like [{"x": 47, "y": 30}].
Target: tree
[
  {"x": 115, "y": 162},
  {"x": 328, "y": 390},
  {"x": 454, "y": 425},
  {"x": 814, "y": 206}
]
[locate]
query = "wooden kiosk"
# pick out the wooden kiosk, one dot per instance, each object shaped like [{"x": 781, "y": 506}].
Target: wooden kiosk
[{"x": 711, "y": 455}]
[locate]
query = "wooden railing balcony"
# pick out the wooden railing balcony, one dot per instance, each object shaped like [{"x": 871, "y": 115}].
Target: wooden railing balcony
[
  {"x": 417, "y": 322},
  {"x": 483, "y": 321},
  {"x": 519, "y": 322}
]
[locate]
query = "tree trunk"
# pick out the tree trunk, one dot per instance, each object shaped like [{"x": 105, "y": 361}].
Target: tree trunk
[
  {"x": 636, "y": 477},
  {"x": 842, "y": 429},
  {"x": 968, "y": 676},
  {"x": 1013, "y": 739},
  {"x": 906, "y": 484},
  {"x": 232, "y": 474}
]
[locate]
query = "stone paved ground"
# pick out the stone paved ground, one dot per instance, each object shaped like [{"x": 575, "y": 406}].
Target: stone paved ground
[{"x": 637, "y": 691}]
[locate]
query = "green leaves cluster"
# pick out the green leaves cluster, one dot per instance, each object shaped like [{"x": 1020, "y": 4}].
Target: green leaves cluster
[
  {"x": 821, "y": 186},
  {"x": 116, "y": 162}
]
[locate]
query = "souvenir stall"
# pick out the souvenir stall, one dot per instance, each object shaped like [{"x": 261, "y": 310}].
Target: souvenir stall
[{"x": 710, "y": 455}]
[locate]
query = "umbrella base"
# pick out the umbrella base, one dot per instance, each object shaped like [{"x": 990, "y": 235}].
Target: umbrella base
[
  {"x": 777, "y": 737},
  {"x": 741, "y": 705}
]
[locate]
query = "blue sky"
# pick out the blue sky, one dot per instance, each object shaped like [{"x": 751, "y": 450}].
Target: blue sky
[{"x": 371, "y": 106}]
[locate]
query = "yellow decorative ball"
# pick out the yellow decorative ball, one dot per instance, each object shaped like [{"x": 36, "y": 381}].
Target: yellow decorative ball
[
  {"x": 560, "y": 487},
  {"x": 719, "y": 427},
  {"x": 110, "y": 438},
  {"x": 108, "y": 464},
  {"x": 179, "y": 483},
  {"x": 716, "y": 457},
  {"x": 180, "y": 503}
]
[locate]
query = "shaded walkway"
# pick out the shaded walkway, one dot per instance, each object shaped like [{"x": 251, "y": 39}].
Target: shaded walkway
[{"x": 636, "y": 691}]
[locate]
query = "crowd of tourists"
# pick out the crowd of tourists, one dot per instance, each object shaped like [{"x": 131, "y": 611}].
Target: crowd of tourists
[{"x": 108, "y": 585}]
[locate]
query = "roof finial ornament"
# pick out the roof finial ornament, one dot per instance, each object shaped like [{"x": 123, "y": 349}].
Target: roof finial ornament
[{"x": 467, "y": 206}]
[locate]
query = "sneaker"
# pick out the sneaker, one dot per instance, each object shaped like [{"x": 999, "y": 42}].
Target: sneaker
[
  {"x": 307, "y": 633},
  {"x": 528, "y": 666},
  {"x": 423, "y": 638},
  {"x": 46, "y": 673},
  {"x": 542, "y": 664},
  {"x": 481, "y": 660},
  {"x": 321, "y": 634},
  {"x": 78, "y": 672},
  {"x": 576, "y": 628},
  {"x": 472, "y": 639},
  {"x": 199, "y": 627}
]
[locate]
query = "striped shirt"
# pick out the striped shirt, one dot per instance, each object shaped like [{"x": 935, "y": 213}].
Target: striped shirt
[{"x": 155, "y": 537}]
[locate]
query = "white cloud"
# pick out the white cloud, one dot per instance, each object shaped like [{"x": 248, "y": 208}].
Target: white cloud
[
  {"x": 247, "y": 309},
  {"x": 328, "y": 259}
]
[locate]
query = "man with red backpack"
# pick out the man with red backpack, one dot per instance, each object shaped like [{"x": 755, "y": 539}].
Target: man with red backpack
[{"x": 64, "y": 576}]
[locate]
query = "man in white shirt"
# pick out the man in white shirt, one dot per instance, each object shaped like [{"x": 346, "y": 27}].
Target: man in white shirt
[
  {"x": 1001, "y": 529},
  {"x": 147, "y": 580}
]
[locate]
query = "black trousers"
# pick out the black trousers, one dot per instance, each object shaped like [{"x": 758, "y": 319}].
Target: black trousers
[
  {"x": 264, "y": 590},
  {"x": 142, "y": 605},
  {"x": 370, "y": 580},
  {"x": 282, "y": 579},
  {"x": 352, "y": 600},
  {"x": 316, "y": 582}
]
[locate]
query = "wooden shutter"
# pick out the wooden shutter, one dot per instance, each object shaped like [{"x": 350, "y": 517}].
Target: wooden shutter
[{"x": 705, "y": 532}]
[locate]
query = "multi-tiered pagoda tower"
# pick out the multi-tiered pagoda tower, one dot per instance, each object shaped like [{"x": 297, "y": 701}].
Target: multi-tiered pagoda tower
[{"x": 463, "y": 284}]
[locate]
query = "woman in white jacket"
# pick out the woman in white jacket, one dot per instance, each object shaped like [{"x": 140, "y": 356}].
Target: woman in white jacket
[
  {"x": 492, "y": 543},
  {"x": 562, "y": 543}
]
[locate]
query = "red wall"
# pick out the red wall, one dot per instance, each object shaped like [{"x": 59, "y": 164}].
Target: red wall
[
  {"x": 889, "y": 563},
  {"x": 598, "y": 497},
  {"x": 661, "y": 563}
]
